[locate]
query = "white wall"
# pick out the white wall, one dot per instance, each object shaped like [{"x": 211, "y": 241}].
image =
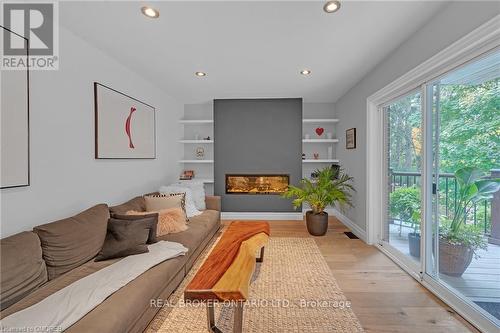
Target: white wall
[
  {"x": 65, "y": 177},
  {"x": 453, "y": 22}
]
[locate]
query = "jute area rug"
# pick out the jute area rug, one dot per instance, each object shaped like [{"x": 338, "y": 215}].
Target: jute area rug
[{"x": 293, "y": 290}]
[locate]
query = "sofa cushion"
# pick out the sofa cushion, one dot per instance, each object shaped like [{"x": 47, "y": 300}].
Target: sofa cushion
[
  {"x": 209, "y": 218},
  {"x": 22, "y": 267},
  {"x": 121, "y": 310},
  {"x": 157, "y": 202},
  {"x": 197, "y": 188},
  {"x": 189, "y": 203},
  {"x": 137, "y": 204},
  {"x": 57, "y": 284},
  {"x": 153, "y": 226},
  {"x": 213, "y": 202},
  {"x": 71, "y": 242},
  {"x": 126, "y": 237},
  {"x": 199, "y": 230},
  {"x": 170, "y": 220}
]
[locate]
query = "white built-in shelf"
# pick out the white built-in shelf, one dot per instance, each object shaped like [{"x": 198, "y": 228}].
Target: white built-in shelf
[
  {"x": 196, "y": 161},
  {"x": 320, "y": 140},
  {"x": 317, "y": 121},
  {"x": 196, "y": 141},
  {"x": 196, "y": 121},
  {"x": 205, "y": 181},
  {"x": 320, "y": 161}
]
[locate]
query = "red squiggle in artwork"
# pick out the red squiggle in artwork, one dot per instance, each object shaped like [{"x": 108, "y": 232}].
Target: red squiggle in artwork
[{"x": 127, "y": 127}]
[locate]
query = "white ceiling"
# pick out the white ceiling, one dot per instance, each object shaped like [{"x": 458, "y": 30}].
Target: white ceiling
[{"x": 249, "y": 49}]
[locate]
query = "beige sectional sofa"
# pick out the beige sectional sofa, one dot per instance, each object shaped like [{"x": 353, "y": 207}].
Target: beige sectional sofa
[{"x": 36, "y": 264}]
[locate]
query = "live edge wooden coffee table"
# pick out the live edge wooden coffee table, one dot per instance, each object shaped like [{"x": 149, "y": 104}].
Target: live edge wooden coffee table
[{"x": 225, "y": 275}]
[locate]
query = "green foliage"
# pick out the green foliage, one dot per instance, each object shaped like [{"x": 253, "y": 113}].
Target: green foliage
[
  {"x": 469, "y": 128},
  {"x": 330, "y": 187},
  {"x": 405, "y": 120},
  {"x": 473, "y": 189},
  {"x": 468, "y": 235},
  {"x": 405, "y": 205}
]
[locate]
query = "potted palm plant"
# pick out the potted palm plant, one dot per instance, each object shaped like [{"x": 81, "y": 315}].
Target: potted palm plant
[
  {"x": 330, "y": 187},
  {"x": 459, "y": 241}
]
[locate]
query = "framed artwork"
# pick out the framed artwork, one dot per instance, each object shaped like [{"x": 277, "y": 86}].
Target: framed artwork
[
  {"x": 124, "y": 126},
  {"x": 350, "y": 138},
  {"x": 14, "y": 115}
]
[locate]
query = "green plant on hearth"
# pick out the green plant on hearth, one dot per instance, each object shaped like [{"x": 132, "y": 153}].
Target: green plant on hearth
[
  {"x": 330, "y": 187},
  {"x": 473, "y": 188},
  {"x": 405, "y": 205}
]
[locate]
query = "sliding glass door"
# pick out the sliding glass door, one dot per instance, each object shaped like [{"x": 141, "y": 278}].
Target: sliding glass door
[
  {"x": 465, "y": 256},
  {"x": 403, "y": 150},
  {"x": 442, "y": 202}
]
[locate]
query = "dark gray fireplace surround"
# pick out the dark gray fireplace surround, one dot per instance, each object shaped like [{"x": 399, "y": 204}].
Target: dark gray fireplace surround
[{"x": 257, "y": 136}]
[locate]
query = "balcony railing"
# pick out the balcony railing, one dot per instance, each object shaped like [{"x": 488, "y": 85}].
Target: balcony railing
[{"x": 448, "y": 195}]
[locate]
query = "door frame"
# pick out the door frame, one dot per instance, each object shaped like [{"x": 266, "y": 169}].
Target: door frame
[
  {"x": 416, "y": 268},
  {"x": 483, "y": 39}
]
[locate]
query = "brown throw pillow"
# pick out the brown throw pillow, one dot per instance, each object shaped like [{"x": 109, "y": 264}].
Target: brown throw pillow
[
  {"x": 170, "y": 220},
  {"x": 157, "y": 202},
  {"x": 152, "y": 217},
  {"x": 124, "y": 238}
]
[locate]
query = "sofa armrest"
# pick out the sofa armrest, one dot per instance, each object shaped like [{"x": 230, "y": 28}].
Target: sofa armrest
[{"x": 213, "y": 202}]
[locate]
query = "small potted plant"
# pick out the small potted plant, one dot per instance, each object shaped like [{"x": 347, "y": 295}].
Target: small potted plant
[
  {"x": 330, "y": 187},
  {"x": 459, "y": 241},
  {"x": 405, "y": 205}
]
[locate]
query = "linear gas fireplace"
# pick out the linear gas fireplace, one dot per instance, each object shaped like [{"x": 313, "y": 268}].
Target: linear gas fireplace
[{"x": 256, "y": 184}]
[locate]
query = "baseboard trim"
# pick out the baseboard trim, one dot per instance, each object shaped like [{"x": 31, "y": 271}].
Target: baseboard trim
[
  {"x": 349, "y": 223},
  {"x": 261, "y": 216}
]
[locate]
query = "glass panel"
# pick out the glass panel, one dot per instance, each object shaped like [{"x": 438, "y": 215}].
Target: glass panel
[
  {"x": 467, "y": 149},
  {"x": 257, "y": 184},
  {"x": 404, "y": 154}
]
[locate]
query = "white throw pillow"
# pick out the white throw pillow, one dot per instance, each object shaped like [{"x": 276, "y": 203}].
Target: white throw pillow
[
  {"x": 198, "y": 190},
  {"x": 190, "y": 206}
]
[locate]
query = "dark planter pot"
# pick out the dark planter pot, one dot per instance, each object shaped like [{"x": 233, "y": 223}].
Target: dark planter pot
[
  {"x": 454, "y": 259},
  {"x": 414, "y": 244},
  {"x": 317, "y": 224}
]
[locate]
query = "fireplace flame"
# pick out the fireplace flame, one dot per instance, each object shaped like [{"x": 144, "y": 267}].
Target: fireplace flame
[{"x": 257, "y": 184}]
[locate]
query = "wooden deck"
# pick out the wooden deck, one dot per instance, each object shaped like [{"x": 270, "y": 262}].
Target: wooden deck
[{"x": 481, "y": 280}]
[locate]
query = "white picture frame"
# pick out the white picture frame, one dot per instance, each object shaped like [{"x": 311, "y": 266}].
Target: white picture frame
[{"x": 125, "y": 127}]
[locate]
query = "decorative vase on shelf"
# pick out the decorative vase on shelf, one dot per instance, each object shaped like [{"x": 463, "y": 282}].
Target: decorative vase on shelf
[{"x": 200, "y": 153}]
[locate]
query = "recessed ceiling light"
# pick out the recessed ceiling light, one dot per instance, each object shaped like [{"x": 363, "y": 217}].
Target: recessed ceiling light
[
  {"x": 331, "y": 6},
  {"x": 305, "y": 72},
  {"x": 150, "y": 12},
  {"x": 200, "y": 74}
]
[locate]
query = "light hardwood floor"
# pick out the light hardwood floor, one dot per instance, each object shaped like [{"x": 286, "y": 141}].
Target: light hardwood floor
[{"x": 383, "y": 296}]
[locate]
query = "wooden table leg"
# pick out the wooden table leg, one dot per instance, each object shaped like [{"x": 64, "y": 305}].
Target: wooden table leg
[
  {"x": 238, "y": 317},
  {"x": 261, "y": 258}
]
